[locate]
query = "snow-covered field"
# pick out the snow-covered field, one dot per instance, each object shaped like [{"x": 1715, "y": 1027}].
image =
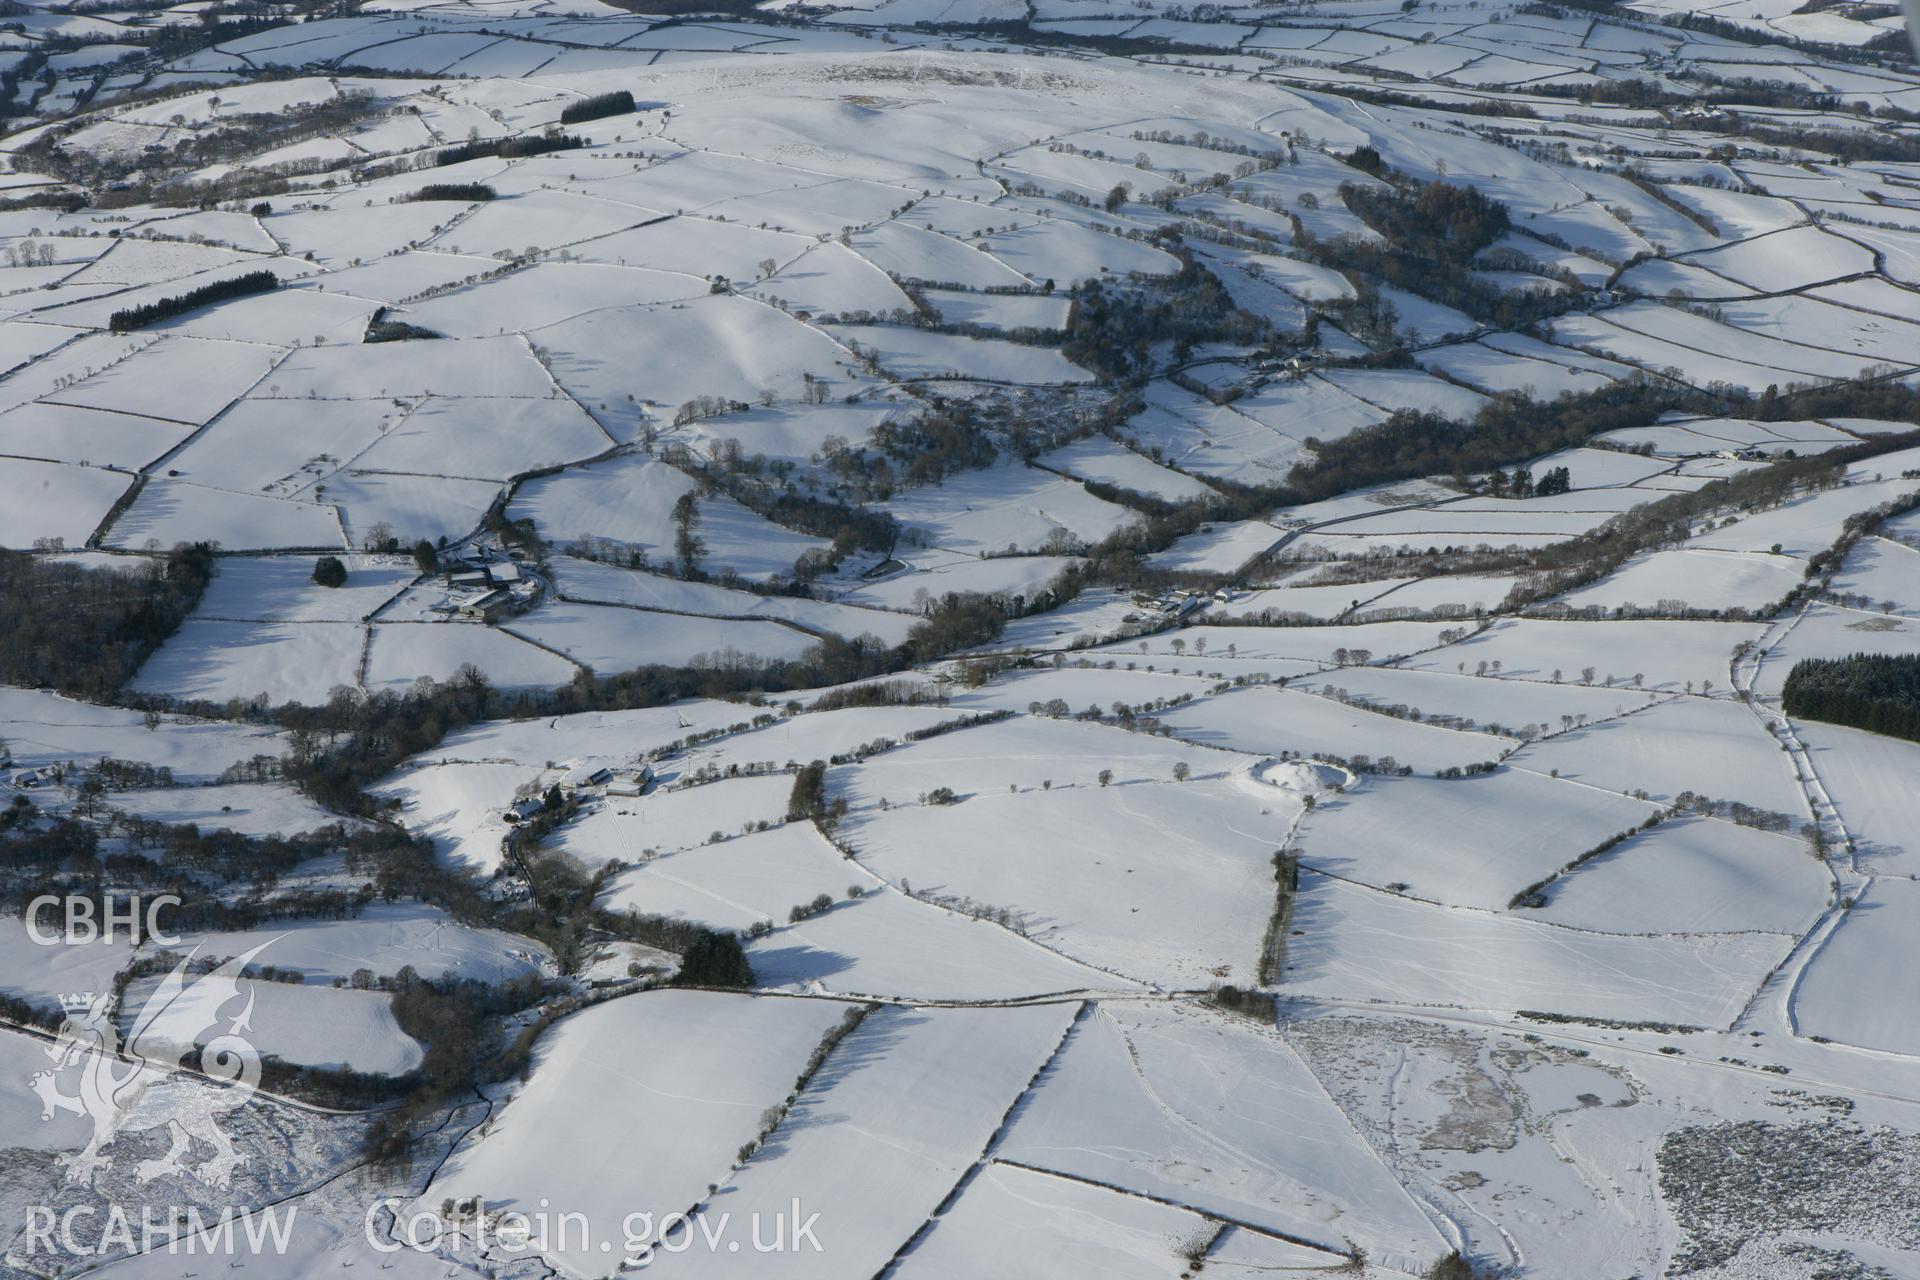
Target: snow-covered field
[
  {"x": 1623, "y": 655},
  {"x": 1357, "y": 943},
  {"x": 1834, "y": 633},
  {"x": 384, "y": 938},
  {"x": 1678, "y": 581},
  {"x": 1710, "y": 747},
  {"x": 1017, "y": 1222},
  {"x": 1005, "y": 509},
  {"x": 250, "y": 808},
  {"x": 1873, "y": 937},
  {"x": 994, "y": 490},
  {"x": 1185, "y": 903},
  {"x": 611, "y": 638},
  {"x": 303, "y": 1025},
  {"x": 1693, "y": 875},
  {"x": 43, "y": 728},
  {"x": 587, "y": 581},
  {"x": 1466, "y": 841},
  {"x": 1267, "y": 721},
  {"x": 630, "y": 501},
  {"x": 460, "y": 806},
  {"x": 891, "y": 946},
  {"x": 605, "y": 1123},
  {"x": 213, "y": 661},
  {"x": 670, "y": 821},
  {"x": 1871, "y": 779},
  {"x": 1165, "y": 1102},
  {"x": 41, "y": 974},
  {"x": 1485, "y": 702},
  {"x": 889, "y": 1125},
  {"x": 1024, "y": 753},
  {"x": 739, "y": 881}
]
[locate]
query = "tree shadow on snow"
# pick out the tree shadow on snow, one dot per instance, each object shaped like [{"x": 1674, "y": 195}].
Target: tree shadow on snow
[
  {"x": 876, "y": 1036},
  {"x": 797, "y": 963}
]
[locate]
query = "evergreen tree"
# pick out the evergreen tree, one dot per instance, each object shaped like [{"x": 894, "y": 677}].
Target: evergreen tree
[
  {"x": 715, "y": 960},
  {"x": 328, "y": 571}
]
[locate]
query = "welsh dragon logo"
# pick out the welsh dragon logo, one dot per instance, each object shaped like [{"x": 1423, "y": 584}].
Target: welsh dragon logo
[{"x": 117, "y": 1080}]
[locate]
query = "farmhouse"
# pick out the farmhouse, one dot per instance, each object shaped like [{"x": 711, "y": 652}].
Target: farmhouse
[
  {"x": 490, "y": 607},
  {"x": 631, "y": 782},
  {"x": 586, "y": 775}
]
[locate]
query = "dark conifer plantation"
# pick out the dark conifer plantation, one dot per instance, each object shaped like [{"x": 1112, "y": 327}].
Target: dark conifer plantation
[{"x": 1875, "y": 691}]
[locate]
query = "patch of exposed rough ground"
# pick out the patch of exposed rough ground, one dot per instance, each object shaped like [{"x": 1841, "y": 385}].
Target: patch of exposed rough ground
[{"x": 1737, "y": 1188}]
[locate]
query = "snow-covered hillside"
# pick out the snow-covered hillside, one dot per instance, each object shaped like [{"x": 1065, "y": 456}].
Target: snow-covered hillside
[{"x": 1083, "y": 638}]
